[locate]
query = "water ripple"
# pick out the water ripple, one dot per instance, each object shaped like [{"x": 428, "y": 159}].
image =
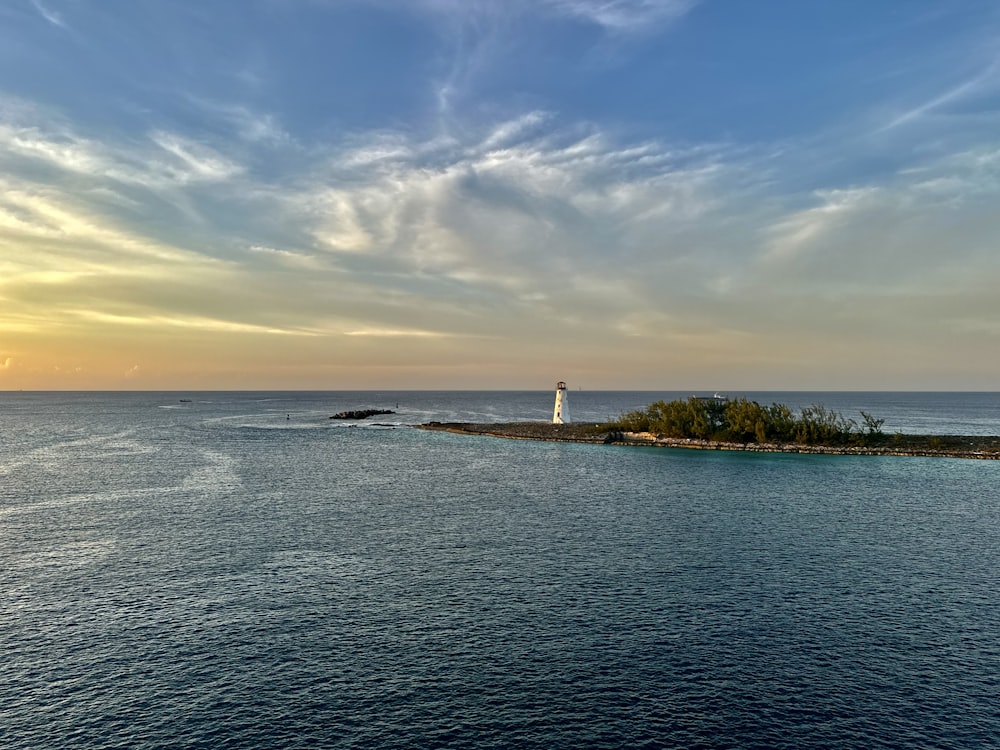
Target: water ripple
[{"x": 198, "y": 584}]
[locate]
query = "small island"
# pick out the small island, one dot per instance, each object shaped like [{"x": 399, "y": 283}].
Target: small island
[{"x": 741, "y": 425}]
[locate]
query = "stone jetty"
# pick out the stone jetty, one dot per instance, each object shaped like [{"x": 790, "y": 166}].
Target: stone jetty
[
  {"x": 947, "y": 446},
  {"x": 361, "y": 413}
]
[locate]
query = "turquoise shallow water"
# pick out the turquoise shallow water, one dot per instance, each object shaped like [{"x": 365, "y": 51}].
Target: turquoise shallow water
[{"x": 239, "y": 571}]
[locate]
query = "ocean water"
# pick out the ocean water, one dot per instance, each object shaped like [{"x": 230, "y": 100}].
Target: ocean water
[{"x": 238, "y": 571}]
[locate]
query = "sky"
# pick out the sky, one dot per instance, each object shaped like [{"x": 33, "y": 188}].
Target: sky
[{"x": 499, "y": 194}]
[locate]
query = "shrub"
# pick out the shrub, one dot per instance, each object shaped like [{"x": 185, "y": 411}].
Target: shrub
[{"x": 743, "y": 420}]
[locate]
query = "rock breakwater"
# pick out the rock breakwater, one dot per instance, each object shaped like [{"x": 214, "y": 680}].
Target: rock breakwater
[
  {"x": 361, "y": 413},
  {"x": 947, "y": 446}
]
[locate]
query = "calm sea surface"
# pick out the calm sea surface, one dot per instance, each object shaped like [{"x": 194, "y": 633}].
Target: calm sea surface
[{"x": 239, "y": 571}]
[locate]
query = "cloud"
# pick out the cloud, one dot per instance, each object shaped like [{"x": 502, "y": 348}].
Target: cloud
[
  {"x": 616, "y": 15},
  {"x": 794, "y": 235},
  {"x": 194, "y": 161},
  {"x": 61, "y": 255},
  {"x": 984, "y": 83},
  {"x": 510, "y": 211},
  {"x": 624, "y": 15},
  {"x": 62, "y": 150},
  {"x": 512, "y": 131},
  {"x": 396, "y": 333},
  {"x": 251, "y": 126},
  {"x": 193, "y": 322},
  {"x": 176, "y": 160},
  {"x": 900, "y": 262},
  {"x": 481, "y": 37},
  {"x": 515, "y": 232},
  {"x": 49, "y": 15},
  {"x": 289, "y": 258},
  {"x": 61, "y": 232},
  {"x": 6, "y": 364}
]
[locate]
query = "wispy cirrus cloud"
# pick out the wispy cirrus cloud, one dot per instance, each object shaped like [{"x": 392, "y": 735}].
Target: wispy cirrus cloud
[
  {"x": 803, "y": 231},
  {"x": 483, "y": 36},
  {"x": 176, "y": 160},
  {"x": 495, "y": 212},
  {"x": 48, "y": 222},
  {"x": 617, "y": 15},
  {"x": 289, "y": 258},
  {"x": 624, "y": 15},
  {"x": 398, "y": 333},
  {"x": 982, "y": 87},
  {"x": 263, "y": 128},
  {"x": 508, "y": 204},
  {"x": 48, "y": 14},
  {"x": 60, "y": 149},
  {"x": 193, "y": 161}
]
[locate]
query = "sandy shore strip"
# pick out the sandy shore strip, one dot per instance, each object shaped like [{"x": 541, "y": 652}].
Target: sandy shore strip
[{"x": 947, "y": 446}]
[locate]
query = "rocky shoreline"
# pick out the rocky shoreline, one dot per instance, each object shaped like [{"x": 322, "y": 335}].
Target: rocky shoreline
[{"x": 947, "y": 446}]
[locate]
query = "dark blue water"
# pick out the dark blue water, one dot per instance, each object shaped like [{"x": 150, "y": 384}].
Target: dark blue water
[{"x": 241, "y": 572}]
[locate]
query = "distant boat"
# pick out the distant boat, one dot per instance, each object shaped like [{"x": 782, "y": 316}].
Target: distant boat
[{"x": 185, "y": 401}]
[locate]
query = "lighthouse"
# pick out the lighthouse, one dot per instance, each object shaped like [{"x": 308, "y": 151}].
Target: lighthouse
[{"x": 560, "y": 415}]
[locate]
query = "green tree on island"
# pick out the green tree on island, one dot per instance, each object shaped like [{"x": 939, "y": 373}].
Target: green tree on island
[{"x": 740, "y": 420}]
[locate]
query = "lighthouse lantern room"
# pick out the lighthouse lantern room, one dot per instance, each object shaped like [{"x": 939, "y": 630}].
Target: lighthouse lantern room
[{"x": 560, "y": 415}]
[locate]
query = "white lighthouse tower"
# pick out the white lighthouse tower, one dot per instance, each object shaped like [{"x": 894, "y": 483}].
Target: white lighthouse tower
[{"x": 560, "y": 415}]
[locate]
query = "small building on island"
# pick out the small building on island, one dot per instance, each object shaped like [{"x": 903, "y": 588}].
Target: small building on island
[{"x": 560, "y": 415}]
